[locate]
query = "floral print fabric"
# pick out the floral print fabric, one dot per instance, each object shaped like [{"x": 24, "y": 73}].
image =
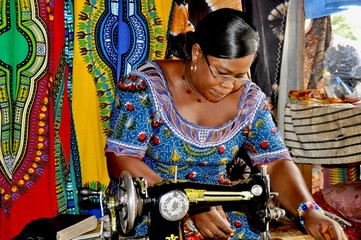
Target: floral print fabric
[{"x": 145, "y": 124}]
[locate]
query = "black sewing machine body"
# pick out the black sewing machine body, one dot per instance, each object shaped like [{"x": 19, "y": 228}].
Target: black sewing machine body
[{"x": 167, "y": 202}]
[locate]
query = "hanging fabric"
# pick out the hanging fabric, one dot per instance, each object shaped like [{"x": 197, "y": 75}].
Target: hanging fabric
[
  {"x": 34, "y": 109},
  {"x": 317, "y": 40},
  {"x": 270, "y": 19},
  {"x": 111, "y": 37},
  {"x": 322, "y": 8}
]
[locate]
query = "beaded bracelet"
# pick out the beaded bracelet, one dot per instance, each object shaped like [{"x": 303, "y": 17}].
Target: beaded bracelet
[{"x": 304, "y": 206}]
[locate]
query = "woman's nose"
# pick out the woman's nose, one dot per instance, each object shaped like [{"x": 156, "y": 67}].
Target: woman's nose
[{"x": 229, "y": 83}]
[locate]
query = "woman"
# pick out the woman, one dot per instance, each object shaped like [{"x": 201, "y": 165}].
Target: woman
[{"x": 197, "y": 115}]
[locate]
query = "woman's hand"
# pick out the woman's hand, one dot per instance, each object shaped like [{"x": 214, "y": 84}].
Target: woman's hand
[
  {"x": 213, "y": 224},
  {"x": 322, "y": 227}
]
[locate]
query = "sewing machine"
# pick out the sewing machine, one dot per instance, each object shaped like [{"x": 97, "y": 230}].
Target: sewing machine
[{"x": 167, "y": 202}]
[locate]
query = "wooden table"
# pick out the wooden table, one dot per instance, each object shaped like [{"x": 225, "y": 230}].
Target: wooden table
[{"x": 287, "y": 230}]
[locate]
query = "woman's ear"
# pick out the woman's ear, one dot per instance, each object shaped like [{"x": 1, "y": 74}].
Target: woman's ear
[{"x": 196, "y": 52}]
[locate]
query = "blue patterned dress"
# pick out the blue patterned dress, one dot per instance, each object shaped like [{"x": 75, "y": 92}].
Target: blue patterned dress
[{"x": 146, "y": 124}]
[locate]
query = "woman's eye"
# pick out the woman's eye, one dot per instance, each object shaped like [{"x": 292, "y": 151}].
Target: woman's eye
[
  {"x": 225, "y": 76},
  {"x": 244, "y": 75},
  {"x": 221, "y": 73}
]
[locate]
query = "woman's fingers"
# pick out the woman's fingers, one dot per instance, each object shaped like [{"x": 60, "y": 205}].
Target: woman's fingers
[
  {"x": 213, "y": 224},
  {"x": 211, "y": 231},
  {"x": 327, "y": 230},
  {"x": 330, "y": 232},
  {"x": 221, "y": 221},
  {"x": 221, "y": 212}
]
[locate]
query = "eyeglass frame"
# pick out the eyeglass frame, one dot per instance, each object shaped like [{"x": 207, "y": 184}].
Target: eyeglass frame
[{"x": 234, "y": 80}]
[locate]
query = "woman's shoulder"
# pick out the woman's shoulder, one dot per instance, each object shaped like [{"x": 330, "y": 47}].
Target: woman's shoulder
[
  {"x": 147, "y": 79},
  {"x": 253, "y": 93},
  {"x": 167, "y": 63},
  {"x": 145, "y": 67},
  {"x": 161, "y": 64},
  {"x": 160, "y": 69},
  {"x": 147, "y": 73}
]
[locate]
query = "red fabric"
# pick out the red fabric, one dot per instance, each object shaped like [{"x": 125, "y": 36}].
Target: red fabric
[
  {"x": 341, "y": 195},
  {"x": 31, "y": 192},
  {"x": 39, "y": 201},
  {"x": 353, "y": 232}
]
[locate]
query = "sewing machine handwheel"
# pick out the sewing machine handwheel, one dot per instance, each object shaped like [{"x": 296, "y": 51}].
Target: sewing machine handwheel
[{"x": 129, "y": 202}]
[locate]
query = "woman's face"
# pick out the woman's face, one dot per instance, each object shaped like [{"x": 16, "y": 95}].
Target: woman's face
[{"x": 217, "y": 77}]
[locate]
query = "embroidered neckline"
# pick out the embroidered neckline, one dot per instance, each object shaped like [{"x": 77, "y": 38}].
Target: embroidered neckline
[{"x": 192, "y": 133}]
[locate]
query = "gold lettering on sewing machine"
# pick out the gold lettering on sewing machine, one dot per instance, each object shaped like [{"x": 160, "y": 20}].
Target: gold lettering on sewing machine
[
  {"x": 172, "y": 237},
  {"x": 195, "y": 195}
]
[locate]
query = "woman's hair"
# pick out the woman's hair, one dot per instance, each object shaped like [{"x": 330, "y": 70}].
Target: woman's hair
[{"x": 224, "y": 33}]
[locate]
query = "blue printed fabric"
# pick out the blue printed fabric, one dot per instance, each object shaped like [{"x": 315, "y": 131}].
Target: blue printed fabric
[
  {"x": 145, "y": 124},
  {"x": 322, "y": 8}
]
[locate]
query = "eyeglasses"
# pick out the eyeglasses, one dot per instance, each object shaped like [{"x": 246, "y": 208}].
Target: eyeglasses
[{"x": 223, "y": 78}]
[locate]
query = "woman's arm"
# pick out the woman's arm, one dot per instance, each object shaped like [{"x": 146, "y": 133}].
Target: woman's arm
[
  {"x": 136, "y": 167},
  {"x": 287, "y": 180}
]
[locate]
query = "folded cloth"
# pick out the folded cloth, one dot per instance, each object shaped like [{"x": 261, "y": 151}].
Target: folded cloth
[{"x": 47, "y": 228}]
